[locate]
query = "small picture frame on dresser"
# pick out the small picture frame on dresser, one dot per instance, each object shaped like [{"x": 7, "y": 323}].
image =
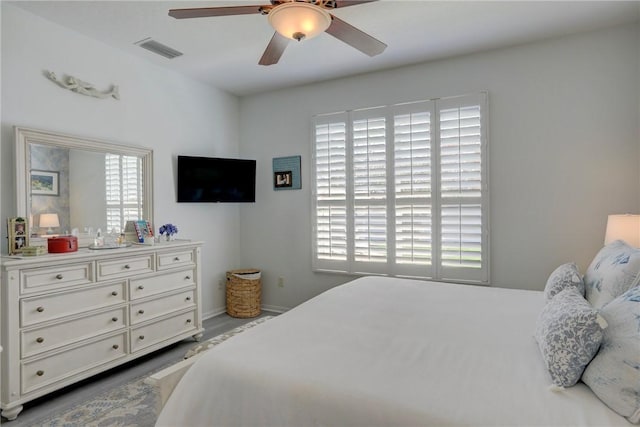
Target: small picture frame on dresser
[{"x": 18, "y": 235}]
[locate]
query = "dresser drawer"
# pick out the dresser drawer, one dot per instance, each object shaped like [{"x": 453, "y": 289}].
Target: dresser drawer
[
  {"x": 36, "y": 341},
  {"x": 147, "y": 310},
  {"x": 144, "y": 287},
  {"x": 125, "y": 266},
  {"x": 38, "y": 309},
  {"x": 175, "y": 259},
  {"x": 58, "y": 277},
  {"x": 63, "y": 365},
  {"x": 148, "y": 335}
]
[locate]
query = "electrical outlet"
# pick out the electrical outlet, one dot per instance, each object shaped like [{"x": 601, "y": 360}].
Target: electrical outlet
[
  {"x": 281, "y": 282},
  {"x": 220, "y": 284}
]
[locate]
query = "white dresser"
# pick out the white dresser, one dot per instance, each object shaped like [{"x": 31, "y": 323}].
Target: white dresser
[{"x": 66, "y": 317}]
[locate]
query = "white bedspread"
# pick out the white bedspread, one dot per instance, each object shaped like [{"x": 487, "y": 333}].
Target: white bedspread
[{"x": 386, "y": 352}]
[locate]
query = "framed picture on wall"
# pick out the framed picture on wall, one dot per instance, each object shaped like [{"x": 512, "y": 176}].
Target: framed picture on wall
[
  {"x": 286, "y": 173},
  {"x": 18, "y": 235},
  {"x": 282, "y": 179},
  {"x": 45, "y": 183}
]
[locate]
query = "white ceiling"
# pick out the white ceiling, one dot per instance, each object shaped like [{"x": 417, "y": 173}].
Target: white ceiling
[{"x": 224, "y": 51}]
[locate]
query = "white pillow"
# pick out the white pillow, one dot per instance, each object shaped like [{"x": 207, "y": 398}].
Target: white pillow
[
  {"x": 569, "y": 333},
  {"x": 612, "y": 272},
  {"x": 614, "y": 374},
  {"x": 565, "y": 276}
]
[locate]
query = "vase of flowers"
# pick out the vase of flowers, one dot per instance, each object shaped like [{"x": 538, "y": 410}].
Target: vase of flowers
[{"x": 168, "y": 230}]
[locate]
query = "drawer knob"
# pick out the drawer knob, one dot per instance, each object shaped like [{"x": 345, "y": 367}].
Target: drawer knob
[
  {"x": 115, "y": 346},
  {"x": 188, "y": 320},
  {"x": 176, "y": 259},
  {"x": 127, "y": 266},
  {"x": 40, "y": 309},
  {"x": 188, "y": 298},
  {"x": 141, "y": 287},
  {"x": 40, "y": 373},
  {"x": 114, "y": 319},
  {"x": 59, "y": 276},
  {"x": 141, "y": 337},
  {"x": 140, "y": 311},
  {"x": 187, "y": 277},
  {"x": 114, "y": 293},
  {"x": 40, "y": 340}
]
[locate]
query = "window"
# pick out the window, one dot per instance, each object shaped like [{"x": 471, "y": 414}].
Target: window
[
  {"x": 402, "y": 190},
  {"x": 123, "y": 187}
]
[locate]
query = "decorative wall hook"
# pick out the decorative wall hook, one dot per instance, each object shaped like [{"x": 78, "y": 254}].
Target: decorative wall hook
[{"x": 78, "y": 86}]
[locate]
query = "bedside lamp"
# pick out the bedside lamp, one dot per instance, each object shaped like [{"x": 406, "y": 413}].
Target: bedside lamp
[
  {"x": 623, "y": 227},
  {"x": 49, "y": 220}
]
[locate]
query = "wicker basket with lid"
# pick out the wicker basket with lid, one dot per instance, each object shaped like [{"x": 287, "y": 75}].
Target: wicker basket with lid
[{"x": 244, "y": 289}]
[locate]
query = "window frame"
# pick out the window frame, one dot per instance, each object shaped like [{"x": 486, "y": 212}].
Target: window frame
[{"x": 435, "y": 270}]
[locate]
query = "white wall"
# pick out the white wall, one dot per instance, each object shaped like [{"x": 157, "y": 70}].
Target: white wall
[
  {"x": 158, "y": 109},
  {"x": 87, "y": 175},
  {"x": 564, "y": 150}
]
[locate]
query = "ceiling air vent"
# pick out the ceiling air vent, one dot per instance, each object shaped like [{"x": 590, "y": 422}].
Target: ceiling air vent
[{"x": 158, "y": 48}]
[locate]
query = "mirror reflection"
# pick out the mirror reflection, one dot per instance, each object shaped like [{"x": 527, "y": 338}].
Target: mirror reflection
[
  {"x": 70, "y": 185},
  {"x": 106, "y": 190}
]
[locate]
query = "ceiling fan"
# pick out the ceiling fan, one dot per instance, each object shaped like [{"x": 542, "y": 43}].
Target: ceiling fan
[{"x": 296, "y": 20}]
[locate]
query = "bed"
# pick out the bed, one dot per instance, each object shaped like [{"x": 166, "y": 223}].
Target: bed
[{"x": 383, "y": 351}]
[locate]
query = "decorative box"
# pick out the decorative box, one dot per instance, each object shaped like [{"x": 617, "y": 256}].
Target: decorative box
[
  {"x": 62, "y": 244},
  {"x": 34, "y": 250}
]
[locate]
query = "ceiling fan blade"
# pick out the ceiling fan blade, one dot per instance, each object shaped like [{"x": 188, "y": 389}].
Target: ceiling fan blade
[
  {"x": 274, "y": 49},
  {"x": 345, "y": 3},
  {"x": 355, "y": 37},
  {"x": 203, "y": 12}
]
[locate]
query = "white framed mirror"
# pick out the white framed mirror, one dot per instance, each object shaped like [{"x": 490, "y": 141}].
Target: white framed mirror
[{"x": 67, "y": 184}]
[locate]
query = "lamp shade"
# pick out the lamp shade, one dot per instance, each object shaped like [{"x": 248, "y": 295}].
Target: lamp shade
[
  {"x": 623, "y": 227},
  {"x": 298, "y": 20},
  {"x": 49, "y": 220}
]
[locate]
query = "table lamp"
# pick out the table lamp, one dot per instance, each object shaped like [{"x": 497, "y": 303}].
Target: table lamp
[
  {"x": 49, "y": 220},
  {"x": 623, "y": 227}
]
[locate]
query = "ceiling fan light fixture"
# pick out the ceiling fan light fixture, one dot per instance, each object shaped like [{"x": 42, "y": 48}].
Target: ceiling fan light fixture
[{"x": 296, "y": 20}]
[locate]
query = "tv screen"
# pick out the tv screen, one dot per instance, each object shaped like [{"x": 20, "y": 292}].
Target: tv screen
[{"x": 211, "y": 179}]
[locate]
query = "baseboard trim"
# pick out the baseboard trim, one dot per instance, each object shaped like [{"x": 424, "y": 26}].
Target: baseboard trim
[
  {"x": 275, "y": 308},
  {"x": 218, "y": 311},
  {"x": 214, "y": 313}
]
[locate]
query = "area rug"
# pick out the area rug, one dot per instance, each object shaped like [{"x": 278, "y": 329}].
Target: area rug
[
  {"x": 206, "y": 345},
  {"x": 132, "y": 405}
]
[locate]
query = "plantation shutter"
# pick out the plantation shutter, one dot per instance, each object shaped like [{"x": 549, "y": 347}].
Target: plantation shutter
[
  {"x": 462, "y": 187},
  {"x": 330, "y": 213},
  {"x": 112, "y": 170},
  {"x": 123, "y": 187},
  {"x": 402, "y": 190},
  {"x": 412, "y": 142},
  {"x": 369, "y": 160}
]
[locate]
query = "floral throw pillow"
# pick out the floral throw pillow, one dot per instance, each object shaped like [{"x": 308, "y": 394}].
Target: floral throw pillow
[
  {"x": 565, "y": 276},
  {"x": 614, "y": 374},
  {"x": 612, "y": 272},
  {"x": 569, "y": 332}
]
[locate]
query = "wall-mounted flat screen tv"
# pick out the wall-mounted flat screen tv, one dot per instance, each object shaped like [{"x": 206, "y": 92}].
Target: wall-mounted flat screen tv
[{"x": 213, "y": 180}]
